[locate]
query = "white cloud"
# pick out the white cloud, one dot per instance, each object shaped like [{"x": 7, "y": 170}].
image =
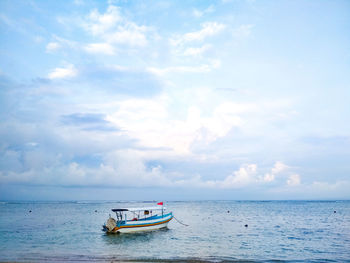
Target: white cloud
[
  {"x": 100, "y": 48},
  {"x": 63, "y": 73},
  {"x": 38, "y": 39},
  {"x": 199, "y": 13},
  {"x": 60, "y": 43},
  {"x": 180, "y": 69},
  {"x": 243, "y": 31},
  {"x": 244, "y": 176},
  {"x": 79, "y": 2},
  {"x": 100, "y": 24},
  {"x": 225, "y": 116},
  {"x": 278, "y": 168},
  {"x": 208, "y": 29},
  {"x": 196, "y": 51},
  {"x": 330, "y": 187},
  {"x": 130, "y": 34},
  {"x": 124, "y": 168},
  {"x": 293, "y": 180},
  {"x": 269, "y": 177},
  {"x": 338, "y": 189},
  {"x": 32, "y": 144},
  {"x": 204, "y": 68},
  {"x": 14, "y": 24},
  {"x": 248, "y": 175},
  {"x": 52, "y": 46},
  {"x": 151, "y": 123},
  {"x": 113, "y": 28}
]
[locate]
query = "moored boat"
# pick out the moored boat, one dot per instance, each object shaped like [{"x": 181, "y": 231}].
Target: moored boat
[{"x": 138, "y": 219}]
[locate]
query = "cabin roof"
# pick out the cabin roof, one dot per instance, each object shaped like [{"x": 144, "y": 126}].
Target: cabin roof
[{"x": 135, "y": 209}]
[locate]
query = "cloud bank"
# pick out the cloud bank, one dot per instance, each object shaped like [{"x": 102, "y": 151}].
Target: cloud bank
[{"x": 183, "y": 97}]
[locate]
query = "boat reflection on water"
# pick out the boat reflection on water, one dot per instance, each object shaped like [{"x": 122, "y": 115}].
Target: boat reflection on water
[{"x": 135, "y": 238}]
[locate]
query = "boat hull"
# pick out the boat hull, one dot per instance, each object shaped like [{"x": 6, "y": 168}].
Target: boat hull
[
  {"x": 142, "y": 225},
  {"x": 144, "y": 228}
]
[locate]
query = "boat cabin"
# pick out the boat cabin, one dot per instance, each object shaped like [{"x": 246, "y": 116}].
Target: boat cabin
[{"x": 138, "y": 214}]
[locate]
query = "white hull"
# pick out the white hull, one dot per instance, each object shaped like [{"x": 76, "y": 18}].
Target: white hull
[{"x": 141, "y": 229}]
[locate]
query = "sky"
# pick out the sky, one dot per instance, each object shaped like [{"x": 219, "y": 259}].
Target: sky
[{"x": 174, "y": 100}]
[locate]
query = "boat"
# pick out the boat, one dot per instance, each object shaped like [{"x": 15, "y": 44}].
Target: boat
[{"x": 137, "y": 219}]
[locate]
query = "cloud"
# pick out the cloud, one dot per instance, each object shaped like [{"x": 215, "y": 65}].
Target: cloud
[
  {"x": 278, "y": 168},
  {"x": 108, "y": 30},
  {"x": 317, "y": 190},
  {"x": 149, "y": 121},
  {"x": 84, "y": 118},
  {"x": 100, "y": 48},
  {"x": 248, "y": 175},
  {"x": 63, "y": 73},
  {"x": 244, "y": 176},
  {"x": 15, "y": 24},
  {"x": 145, "y": 128},
  {"x": 58, "y": 43},
  {"x": 79, "y": 2},
  {"x": 52, "y": 46},
  {"x": 331, "y": 187},
  {"x": 100, "y": 24},
  {"x": 89, "y": 121},
  {"x": 166, "y": 101},
  {"x": 196, "y": 51},
  {"x": 294, "y": 180},
  {"x": 282, "y": 170},
  {"x": 243, "y": 31},
  {"x": 208, "y": 29},
  {"x": 116, "y": 79},
  {"x": 204, "y": 68},
  {"x": 113, "y": 28},
  {"x": 116, "y": 169},
  {"x": 38, "y": 163},
  {"x": 131, "y": 34},
  {"x": 199, "y": 13}
]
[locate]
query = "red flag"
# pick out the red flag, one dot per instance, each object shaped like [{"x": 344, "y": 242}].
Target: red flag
[{"x": 160, "y": 203}]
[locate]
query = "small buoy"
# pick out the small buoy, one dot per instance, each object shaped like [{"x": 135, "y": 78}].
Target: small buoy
[
  {"x": 30, "y": 211},
  {"x": 246, "y": 225},
  {"x": 228, "y": 211},
  {"x": 95, "y": 211},
  {"x": 335, "y": 211}
]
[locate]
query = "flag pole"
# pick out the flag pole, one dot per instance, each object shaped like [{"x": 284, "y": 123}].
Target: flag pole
[{"x": 161, "y": 203}]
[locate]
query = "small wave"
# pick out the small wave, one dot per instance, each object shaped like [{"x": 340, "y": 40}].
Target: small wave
[{"x": 84, "y": 258}]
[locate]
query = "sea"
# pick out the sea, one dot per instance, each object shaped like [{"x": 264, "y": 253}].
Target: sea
[{"x": 203, "y": 231}]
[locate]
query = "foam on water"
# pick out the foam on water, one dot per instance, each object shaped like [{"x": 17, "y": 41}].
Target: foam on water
[{"x": 288, "y": 231}]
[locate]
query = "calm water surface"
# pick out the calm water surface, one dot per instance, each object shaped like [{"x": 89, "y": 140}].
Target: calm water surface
[{"x": 292, "y": 231}]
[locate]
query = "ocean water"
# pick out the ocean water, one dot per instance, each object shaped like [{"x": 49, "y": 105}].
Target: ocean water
[{"x": 283, "y": 231}]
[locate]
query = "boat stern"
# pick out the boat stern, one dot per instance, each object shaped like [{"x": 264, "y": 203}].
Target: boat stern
[{"x": 110, "y": 226}]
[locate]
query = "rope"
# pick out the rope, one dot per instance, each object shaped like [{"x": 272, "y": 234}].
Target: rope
[{"x": 180, "y": 221}]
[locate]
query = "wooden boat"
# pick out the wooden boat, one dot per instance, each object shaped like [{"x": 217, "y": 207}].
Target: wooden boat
[{"x": 141, "y": 219}]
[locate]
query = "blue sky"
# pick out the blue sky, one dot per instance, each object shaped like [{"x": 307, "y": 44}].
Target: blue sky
[{"x": 174, "y": 100}]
